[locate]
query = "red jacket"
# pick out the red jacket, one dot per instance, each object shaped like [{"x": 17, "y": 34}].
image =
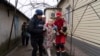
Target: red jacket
[{"x": 59, "y": 22}]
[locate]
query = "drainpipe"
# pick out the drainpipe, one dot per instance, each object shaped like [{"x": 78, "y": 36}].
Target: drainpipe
[{"x": 71, "y": 39}]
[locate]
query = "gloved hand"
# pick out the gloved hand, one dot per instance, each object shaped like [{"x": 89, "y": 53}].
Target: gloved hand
[{"x": 64, "y": 29}]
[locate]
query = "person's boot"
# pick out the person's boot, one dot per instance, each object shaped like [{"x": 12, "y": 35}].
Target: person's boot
[
  {"x": 64, "y": 54},
  {"x": 57, "y": 53},
  {"x": 44, "y": 52}
]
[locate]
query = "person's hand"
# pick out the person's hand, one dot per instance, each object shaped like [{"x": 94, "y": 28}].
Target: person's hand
[
  {"x": 55, "y": 28},
  {"x": 44, "y": 30},
  {"x": 54, "y": 31},
  {"x": 57, "y": 33},
  {"x": 64, "y": 29}
]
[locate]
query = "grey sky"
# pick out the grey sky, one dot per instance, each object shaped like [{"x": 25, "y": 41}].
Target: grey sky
[{"x": 25, "y": 5}]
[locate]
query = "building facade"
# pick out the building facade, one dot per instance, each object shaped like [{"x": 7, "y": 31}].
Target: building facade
[
  {"x": 83, "y": 17},
  {"x": 7, "y": 12},
  {"x": 50, "y": 13}
]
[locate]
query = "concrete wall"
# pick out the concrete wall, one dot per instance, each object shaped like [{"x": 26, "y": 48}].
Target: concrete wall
[
  {"x": 5, "y": 23},
  {"x": 86, "y": 37}
]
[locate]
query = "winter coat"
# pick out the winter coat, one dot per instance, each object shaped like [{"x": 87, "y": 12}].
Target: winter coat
[
  {"x": 49, "y": 36},
  {"x": 60, "y": 37},
  {"x": 35, "y": 27}
]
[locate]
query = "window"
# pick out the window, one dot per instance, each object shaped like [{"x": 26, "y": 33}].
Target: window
[
  {"x": 68, "y": 14},
  {"x": 52, "y": 15},
  {"x": 16, "y": 24}
]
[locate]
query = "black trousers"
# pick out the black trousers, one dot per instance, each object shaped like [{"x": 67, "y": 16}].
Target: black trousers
[
  {"x": 37, "y": 43},
  {"x": 60, "y": 46},
  {"x": 25, "y": 39}
]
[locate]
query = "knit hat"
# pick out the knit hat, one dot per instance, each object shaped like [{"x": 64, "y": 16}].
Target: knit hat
[
  {"x": 39, "y": 12},
  {"x": 58, "y": 14}
]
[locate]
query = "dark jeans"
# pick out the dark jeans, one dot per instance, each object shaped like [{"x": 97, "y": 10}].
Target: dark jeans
[
  {"x": 37, "y": 42},
  {"x": 25, "y": 40}
]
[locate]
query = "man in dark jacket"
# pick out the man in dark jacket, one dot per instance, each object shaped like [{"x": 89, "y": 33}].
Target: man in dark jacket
[
  {"x": 36, "y": 30},
  {"x": 25, "y": 37}
]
